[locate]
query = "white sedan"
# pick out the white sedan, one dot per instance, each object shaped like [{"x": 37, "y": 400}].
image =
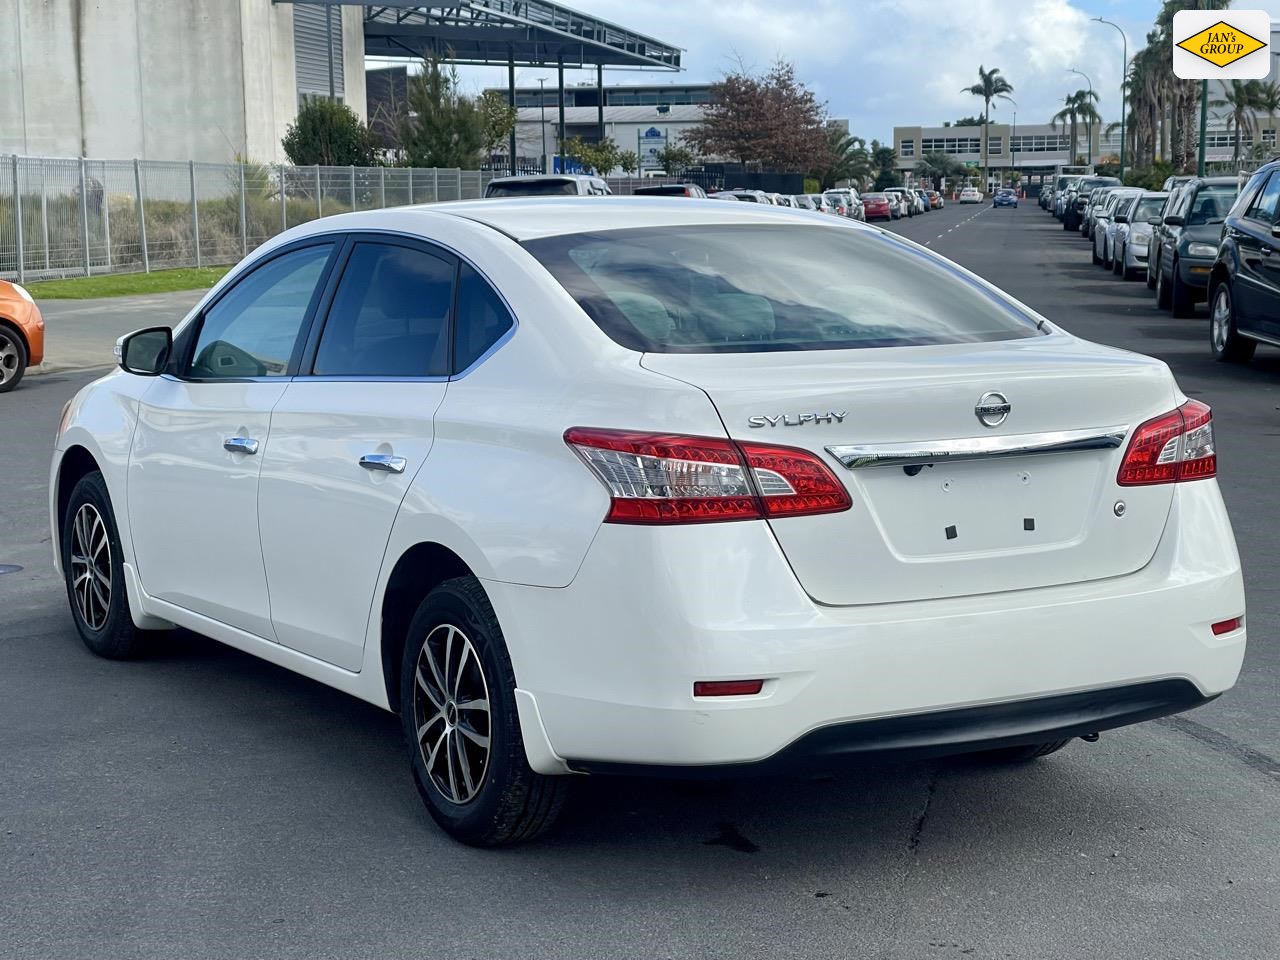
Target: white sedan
[
  {"x": 649, "y": 485},
  {"x": 971, "y": 195}
]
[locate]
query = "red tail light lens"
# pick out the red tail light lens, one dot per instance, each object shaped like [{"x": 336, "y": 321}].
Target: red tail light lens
[
  {"x": 1171, "y": 448},
  {"x": 656, "y": 478}
]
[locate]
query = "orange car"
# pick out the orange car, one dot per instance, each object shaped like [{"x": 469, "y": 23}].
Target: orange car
[{"x": 21, "y": 334}]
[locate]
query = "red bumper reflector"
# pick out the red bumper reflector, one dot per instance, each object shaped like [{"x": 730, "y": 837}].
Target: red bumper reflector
[
  {"x": 1226, "y": 626},
  {"x": 727, "y": 688}
]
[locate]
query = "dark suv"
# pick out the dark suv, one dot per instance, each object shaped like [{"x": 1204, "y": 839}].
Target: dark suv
[
  {"x": 1079, "y": 202},
  {"x": 1189, "y": 242},
  {"x": 1244, "y": 285}
]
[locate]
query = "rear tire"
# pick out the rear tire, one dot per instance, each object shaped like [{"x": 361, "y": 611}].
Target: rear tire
[
  {"x": 1117, "y": 262},
  {"x": 1093, "y": 254},
  {"x": 13, "y": 359},
  {"x": 1226, "y": 343},
  {"x": 461, "y": 727},
  {"x": 93, "y": 567},
  {"x": 1162, "y": 291},
  {"x": 1180, "y": 297},
  {"x": 1021, "y": 754},
  {"x": 1151, "y": 275}
]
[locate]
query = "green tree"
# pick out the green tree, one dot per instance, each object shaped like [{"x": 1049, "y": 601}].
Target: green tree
[
  {"x": 1077, "y": 107},
  {"x": 629, "y": 162},
  {"x": 441, "y": 126},
  {"x": 1243, "y": 97},
  {"x": 990, "y": 86},
  {"x": 968, "y": 122},
  {"x": 676, "y": 158},
  {"x": 601, "y": 158},
  {"x": 499, "y": 119},
  {"x": 329, "y": 133},
  {"x": 846, "y": 158},
  {"x": 938, "y": 166}
]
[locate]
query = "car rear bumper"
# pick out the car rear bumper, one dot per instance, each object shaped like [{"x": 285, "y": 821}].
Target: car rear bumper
[{"x": 609, "y": 662}]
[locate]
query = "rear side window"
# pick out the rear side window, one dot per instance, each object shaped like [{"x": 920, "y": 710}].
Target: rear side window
[
  {"x": 1264, "y": 208},
  {"x": 762, "y": 287},
  {"x": 390, "y": 315},
  {"x": 482, "y": 318},
  {"x": 533, "y": 188},
  {"x": 254, "y": 329}
]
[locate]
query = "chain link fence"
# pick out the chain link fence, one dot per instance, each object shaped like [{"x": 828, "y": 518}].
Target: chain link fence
[{"x": 71, "y": 217}]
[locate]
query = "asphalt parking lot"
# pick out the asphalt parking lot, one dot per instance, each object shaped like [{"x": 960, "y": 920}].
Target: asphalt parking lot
[{"x": 204, "y": 803}]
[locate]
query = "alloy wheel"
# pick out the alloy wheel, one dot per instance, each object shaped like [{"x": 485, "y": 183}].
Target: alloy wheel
[
  {"x": 1221, "y": 320},
  {"x": 9, "y": 359},
  {"x": 91, "y": 566},
  {"x": 451, "y": 714}
]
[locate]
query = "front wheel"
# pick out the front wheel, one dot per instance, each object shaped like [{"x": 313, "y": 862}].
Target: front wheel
[
  {"x": 1162, "y": 290},
  {"x": 1226, "y": 343},
  {"x": 13, "y": 359},
  {"x": 458, "y": 712},
  {"x": 1181, "y": 299},
  {"x": 93, "y": 566}
]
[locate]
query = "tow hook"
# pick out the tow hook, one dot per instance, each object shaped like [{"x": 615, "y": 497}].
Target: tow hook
[{"x": 1089, "y": 737}]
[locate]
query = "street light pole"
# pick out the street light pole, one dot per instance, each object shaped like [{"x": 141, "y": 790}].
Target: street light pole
[
  {"x": 1124, "y": 87},
  {"x": 1013, "y": 136},
  {"x": 1088, "y": 123},
  {"x": 542, "y": 103}
]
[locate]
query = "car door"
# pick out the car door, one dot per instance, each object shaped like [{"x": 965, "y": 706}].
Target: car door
[
  {"x": 1257, "y": 286},
  {"x": 201, "y": 435},
  {"x": 349, "y": 436}
]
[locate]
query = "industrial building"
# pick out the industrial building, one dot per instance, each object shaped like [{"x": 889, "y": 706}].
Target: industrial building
[{"x": 170, "y": 79}]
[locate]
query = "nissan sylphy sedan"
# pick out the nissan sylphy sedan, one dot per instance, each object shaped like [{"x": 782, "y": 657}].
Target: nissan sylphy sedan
[{"x": 582, "y": 487}]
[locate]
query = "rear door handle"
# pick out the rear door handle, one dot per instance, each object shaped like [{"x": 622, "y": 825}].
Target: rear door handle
[
  {"x": 240, "y": 445},
  {"x": 383, "y": 462},
  {"x": 1266, "y": 251}
]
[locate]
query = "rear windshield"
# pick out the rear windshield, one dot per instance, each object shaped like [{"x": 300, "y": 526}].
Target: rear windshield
[
  {"x": 533, "y": 188},
  {"x": 748, "y": 288},
  {"x": 670, "y": 190}
]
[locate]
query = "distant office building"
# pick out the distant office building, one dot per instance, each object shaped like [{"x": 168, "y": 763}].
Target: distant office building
[{"x": 170, "y": 79}]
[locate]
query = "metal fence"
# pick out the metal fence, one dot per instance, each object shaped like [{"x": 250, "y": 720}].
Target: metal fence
[{"x": 72, "y": 217}]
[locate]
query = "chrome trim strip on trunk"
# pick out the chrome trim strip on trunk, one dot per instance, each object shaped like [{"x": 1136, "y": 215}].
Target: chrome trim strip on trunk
[{"x": 858, "y": 455}]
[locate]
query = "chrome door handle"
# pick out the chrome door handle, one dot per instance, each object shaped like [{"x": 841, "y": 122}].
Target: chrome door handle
[
  {"x": 1266, "y": 251},
  {"x": 384, "y": 462},
  {"x": 240, "y": 445}
]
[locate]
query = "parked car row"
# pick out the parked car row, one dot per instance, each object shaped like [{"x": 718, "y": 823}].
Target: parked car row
[
  {"x": 839, "y": 202},
  {"x": 1199, "y": 240}
]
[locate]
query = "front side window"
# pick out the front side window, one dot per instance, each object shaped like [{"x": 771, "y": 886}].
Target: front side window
[
  {"x": 1264, "y": 208},
  {"x": 1211, "y": 202},
  {"x": 254, "y": 329},
  {"x": 390, "y": 315},
  {"x": 764, "y": 287}
]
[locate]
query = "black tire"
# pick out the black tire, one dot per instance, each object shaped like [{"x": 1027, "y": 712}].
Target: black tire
[
  {"x": 1117, "y": 263},
  {"x": 1093, "y": 254},
  {"x": 1152, "y": 267},
  {"x": 1181, "y": 298},
  {"x": 507, "y": 802},
  {"x": 1163, "y": 299},
  {"x": 1224, "y": 340},
  {"x": 106, "y": 628},
  {"x": 1022, "y": 754},
  {"x": 13, "y": 359}
]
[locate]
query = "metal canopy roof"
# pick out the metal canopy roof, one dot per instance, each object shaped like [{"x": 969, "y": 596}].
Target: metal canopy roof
[{"x": 532, "y": 32}]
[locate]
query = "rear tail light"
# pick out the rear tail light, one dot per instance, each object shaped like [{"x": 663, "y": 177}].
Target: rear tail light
[
  {"x": 1219, "y": 628},
  {"x": 1171, "y": 448},
  {"x": 727, "y": 688},
  {"x": 658, "y": 478}
]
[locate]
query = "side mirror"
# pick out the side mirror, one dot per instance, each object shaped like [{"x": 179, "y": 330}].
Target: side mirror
[
  {"x": 1173, "y": 220},
  {"x": 1155, "y": 221},
  {"x": 145, "y": 352}
]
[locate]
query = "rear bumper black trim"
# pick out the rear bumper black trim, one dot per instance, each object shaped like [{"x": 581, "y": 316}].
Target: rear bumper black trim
[{"x": 944, "y": 732}]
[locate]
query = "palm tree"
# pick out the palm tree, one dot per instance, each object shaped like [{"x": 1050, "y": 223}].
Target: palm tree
[
  {"x": 1243, "y": 97},
  {"x": 938, "y": 166},
  {"x": 990, "y": 86},
  {"x": 1269, "y": 100},
  {"x": 846, "y": 159},
  {"x": 1077, "y": 107}
]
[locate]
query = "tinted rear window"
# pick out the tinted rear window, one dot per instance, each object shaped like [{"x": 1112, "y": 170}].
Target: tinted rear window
[
  {"x": 670, "y": 190},
  {"x": 760, "y": 287},
  {"x": 533, "y": 188}
]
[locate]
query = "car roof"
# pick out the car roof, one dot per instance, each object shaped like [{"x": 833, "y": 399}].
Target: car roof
[
  {"x": 529, "y": 177},
  {"x": 528, "y": 218}
]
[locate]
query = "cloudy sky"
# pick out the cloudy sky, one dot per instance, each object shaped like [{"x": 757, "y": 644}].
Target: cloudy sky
[{"x": 881, "y": 62}]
